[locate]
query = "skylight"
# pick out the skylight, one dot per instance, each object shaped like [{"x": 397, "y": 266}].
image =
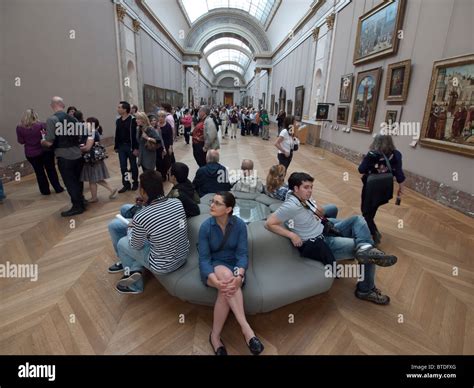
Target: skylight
[
  {"x": 226, "y": 41},
  {"x": 260, "y": 9},
  {"x": 228, "y": 66},
  {"x": 228, "y": 55}
]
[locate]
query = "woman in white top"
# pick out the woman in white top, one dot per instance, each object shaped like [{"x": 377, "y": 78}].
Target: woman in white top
[{"x": 286, "y": 142}]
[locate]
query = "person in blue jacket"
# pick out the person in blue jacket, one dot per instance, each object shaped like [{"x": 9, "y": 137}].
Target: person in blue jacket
[
  {"x": 375, "y": 163},
  {"x": 223, "y": 260}
]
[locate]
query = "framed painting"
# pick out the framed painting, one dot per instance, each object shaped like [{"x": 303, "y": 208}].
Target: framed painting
[
  {"x": 322, "y": 112},
  {"x": 299, "y": 101},
  {"x": 272, "y": 104},
  {"x": 397, "y": 81},
  {"x": 365, "y": 100},
  {"x": 377, "y": 31},
  {"x": 391, "y": 117},
  {"x": 342, "y": 114},
  {"x": 345, "y": 91},
  {"x": 448, "y": 121},
  {"x": 289, "y": 107}
]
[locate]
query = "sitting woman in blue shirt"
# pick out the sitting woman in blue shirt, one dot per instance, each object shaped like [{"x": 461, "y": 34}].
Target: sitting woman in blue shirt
[{"x": 223, "y": 260}]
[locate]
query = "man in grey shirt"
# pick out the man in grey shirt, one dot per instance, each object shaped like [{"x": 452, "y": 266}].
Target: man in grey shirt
[
  {"x": 64, "y": 133},
  {"x": 305, "y": 226},
  {"x": 211, "y": 140}
]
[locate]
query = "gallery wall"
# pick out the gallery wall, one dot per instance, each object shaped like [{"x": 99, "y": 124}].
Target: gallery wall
[
  {"x": 432, "y": 30},
  {"x": 159, "y": 68},
  {"x": 48, "y": 62}
]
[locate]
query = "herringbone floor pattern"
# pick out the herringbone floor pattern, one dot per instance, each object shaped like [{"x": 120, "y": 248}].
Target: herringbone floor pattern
[{"x": 73, "y": 308}]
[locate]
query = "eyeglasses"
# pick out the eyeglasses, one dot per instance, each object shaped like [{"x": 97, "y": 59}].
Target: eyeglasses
[{"x": 217, "y": 203}]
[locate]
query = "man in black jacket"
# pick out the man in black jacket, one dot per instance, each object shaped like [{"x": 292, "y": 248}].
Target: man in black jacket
[
  {"x": 126, "y": 145},
  {"x": 183, "y": 189},
  {"x": 213, "y": 177}
]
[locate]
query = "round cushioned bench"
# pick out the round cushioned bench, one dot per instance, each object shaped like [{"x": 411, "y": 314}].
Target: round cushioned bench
[{"x": 277, "y": 274}]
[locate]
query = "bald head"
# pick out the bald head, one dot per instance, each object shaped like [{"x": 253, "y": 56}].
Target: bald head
[
  {"x": 57, "y": 103},
  {"x": 212, "y": 156},
  {"x": 247, "y": 164}
]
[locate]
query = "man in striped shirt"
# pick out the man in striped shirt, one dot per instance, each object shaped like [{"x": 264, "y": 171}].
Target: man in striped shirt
[{"x": 158, "y": 239}]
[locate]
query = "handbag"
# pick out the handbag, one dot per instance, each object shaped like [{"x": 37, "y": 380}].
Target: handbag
[
  {"x": 151, "y": 146},
  {"x": 379, "y": 187},
  {"x": 96, "y": 154}
]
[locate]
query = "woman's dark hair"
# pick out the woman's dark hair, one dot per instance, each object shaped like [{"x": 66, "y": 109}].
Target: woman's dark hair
[
  {"x": 289, "y": 120},
  {"x": 79, "y": 116},
  {"x": 97, "y": 126},
  {"x": 186, "y": 111},
  {"x": 180, "y": 171},
  {"x": 134, "y": 107},
  {"x": 152, "y": 183},
  {"x": 383, "y": 143},
  {"x": 297, "y": 179},
  {"x": 229, "y": 199},
  {"x": 70, "y": 108}
]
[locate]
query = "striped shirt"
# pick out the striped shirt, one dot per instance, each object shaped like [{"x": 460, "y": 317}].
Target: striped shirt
[{"x": 163, "y": 224}]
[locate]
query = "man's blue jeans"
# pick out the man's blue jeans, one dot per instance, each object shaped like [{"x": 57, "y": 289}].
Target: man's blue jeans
[
  {"x": 133, "y": 260},
  {"x": 356, "y": 233},
  {"x": 117, "y": 229}
]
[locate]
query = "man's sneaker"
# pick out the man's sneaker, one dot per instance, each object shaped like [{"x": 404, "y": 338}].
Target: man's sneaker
[
  {"x": 135, "y": 186},
  {"x": 375, "y": 256},
  {"x": 127, "y": 281},
  {"x": 374, "y": 295},
  {"x": 115, "y": 268},
  {"x": 124, "y": 189},
  {"x": 125, "y": 290}
]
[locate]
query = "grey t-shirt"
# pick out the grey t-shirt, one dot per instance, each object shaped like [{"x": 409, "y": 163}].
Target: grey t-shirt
[
  {"x": 70, "y": 153},
  {"x": 299, "y": 219}
]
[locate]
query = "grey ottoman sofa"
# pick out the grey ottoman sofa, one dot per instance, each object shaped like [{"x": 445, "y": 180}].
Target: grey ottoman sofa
[{"x": 277, "y": 274}]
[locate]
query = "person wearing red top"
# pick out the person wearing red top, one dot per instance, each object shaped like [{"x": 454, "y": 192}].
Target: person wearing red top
[
  {"x": 29, "y": 133},
  {"x": 198, "y": 143},
  {"x": 187, "y": 122}
]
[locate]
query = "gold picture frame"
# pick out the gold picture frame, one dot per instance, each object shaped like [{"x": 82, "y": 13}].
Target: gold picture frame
[
  {"x": 345, "y": 89},
  {"x": 448, "y": 120},
  {"x": 366, "y": 97},
  {"x": 397, "y": 81},
  {"x": 377, "y": 31}
]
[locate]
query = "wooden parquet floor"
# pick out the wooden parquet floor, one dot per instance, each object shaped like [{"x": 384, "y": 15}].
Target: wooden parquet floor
[{"x": 73, "y": 307}]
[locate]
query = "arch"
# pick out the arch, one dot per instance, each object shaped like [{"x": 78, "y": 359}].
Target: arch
[
  {"x": 229, "y": 73},
  {"x": 230, "y": 63},
  {"x": 228, "y": 46},
  {"x": 224, "y": 21},
  {"x": 227, "y": 34}
]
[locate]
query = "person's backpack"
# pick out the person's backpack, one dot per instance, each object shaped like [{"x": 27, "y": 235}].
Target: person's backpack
[{"x": 379, "y": 187}]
